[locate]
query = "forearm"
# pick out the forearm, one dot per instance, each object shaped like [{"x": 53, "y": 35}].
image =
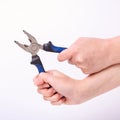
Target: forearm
[
  {"x": 100, "y": 83},
  {"x": 69, "y": 91},
  {"x": 114, "y": 50}
]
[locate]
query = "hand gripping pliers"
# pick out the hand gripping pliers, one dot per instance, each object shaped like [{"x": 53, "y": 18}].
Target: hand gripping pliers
[{"x": 34, "y": 47}]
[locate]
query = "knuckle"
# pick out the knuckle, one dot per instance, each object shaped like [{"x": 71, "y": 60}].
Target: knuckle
[
  {"x": 80, "y": 59},
  {"x": 50, "y": 92},
  {"x": 41, "y": 75},
  {"x": 85, "y": 71},
  {"x": 70, "y": 62},
  {"x": 56, "y": 97},
  {"x": 53, "y": 72},
  {"x": 80, "y": 40}
]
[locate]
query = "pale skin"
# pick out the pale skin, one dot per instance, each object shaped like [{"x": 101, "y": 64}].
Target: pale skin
[
  {"x": 92, "y": 55},
  {"x": 66, "y": 90}
]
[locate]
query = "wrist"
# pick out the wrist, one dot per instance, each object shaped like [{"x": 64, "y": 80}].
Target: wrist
[{"x": 83, "y": 90}]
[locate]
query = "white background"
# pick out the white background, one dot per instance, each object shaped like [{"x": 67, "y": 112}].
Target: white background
[{"x": 62, "y": 22}]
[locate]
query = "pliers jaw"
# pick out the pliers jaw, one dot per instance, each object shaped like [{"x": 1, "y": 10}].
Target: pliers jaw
[
  {"x": 31, "y": 38},
  {"x": 33, "y": 48}
]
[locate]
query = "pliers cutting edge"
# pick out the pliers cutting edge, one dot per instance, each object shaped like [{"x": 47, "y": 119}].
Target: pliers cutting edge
[{"x": 34, "y": 47}]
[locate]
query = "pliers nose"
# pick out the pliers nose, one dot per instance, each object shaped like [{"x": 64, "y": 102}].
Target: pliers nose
[
  {"x": 30, "y": 37},
  {"x": 33, "y": 48}
]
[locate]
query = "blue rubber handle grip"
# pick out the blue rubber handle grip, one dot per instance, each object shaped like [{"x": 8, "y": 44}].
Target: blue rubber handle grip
[
  {"x": 40, "y": 68},
  {"x": 52, "y": 48},
  {"x": 37, "y": 62}
]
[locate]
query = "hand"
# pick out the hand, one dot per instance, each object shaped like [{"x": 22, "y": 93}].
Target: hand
[
  {"x": 65, "y": 90},
  {"x": 89, "y": 54}
]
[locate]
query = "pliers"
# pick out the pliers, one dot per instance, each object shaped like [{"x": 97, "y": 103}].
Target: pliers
[{"x": 34, "y": 47}]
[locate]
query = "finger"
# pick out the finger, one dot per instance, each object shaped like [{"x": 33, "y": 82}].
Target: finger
[
  {"x": 52, "y": 80},
  {"x": 43, "y": 86},
  {"x": 65, "y": 55},
  {"x": 46, "y": 77},
  {"x": 56, "y": 97},
  {"x": 46, "y": 92},
  {"x": 59, "y": 102},
  {"x": 37, "y": 81},
  {"x": 71, "y": 61}
]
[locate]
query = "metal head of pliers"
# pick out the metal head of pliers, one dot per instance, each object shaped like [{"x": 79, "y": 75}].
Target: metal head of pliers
[{"x": 33, "y": 48}]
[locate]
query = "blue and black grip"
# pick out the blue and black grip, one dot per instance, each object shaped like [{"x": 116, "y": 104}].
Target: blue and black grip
[
  {"x": 47, "y": 47},
  {"x": 37, "y": 62},
  {"x": 52, "y": 48}
]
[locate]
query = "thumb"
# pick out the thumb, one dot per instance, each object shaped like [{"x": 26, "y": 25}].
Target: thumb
[
  {"x": 49, "y": 77},
  {"x": 65, "y": 55}
]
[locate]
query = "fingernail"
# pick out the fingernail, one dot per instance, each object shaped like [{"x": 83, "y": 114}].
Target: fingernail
[{"x": 46, "y": 85}]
